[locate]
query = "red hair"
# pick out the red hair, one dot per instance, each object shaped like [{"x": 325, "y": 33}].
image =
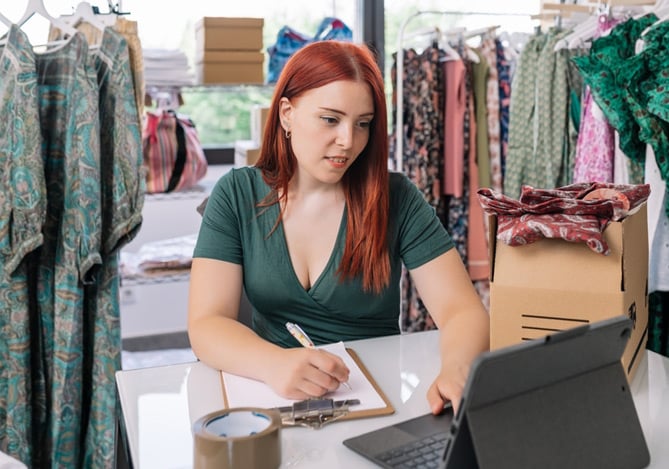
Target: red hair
[{"x": 365, "y": 183}]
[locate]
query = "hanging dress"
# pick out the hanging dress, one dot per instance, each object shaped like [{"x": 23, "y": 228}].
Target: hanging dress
[
  {"x": 22, "y": 215},
  {"x": 122, "y": 188},
  {"x": 422, "y": 156},
  {"x": 540, "y": 153},
  {"x": 600, "y": 68},
  {"x": 69, "y": 118}
]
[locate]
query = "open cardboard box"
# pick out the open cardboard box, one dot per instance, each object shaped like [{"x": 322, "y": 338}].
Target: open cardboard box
[{"x": 552, "y": 284}]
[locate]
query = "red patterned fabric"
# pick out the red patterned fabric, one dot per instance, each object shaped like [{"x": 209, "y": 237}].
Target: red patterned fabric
[{"x": 575, "y": 213}]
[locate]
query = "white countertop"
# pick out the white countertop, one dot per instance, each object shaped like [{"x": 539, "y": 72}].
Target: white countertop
[{"x": 160, "y": 404}]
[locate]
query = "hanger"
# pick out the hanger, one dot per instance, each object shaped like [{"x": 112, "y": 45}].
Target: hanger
[
  {"x": 37, "y": 7},
  {"x": 438, "y": 38},
  {"x": 586, "y": 29},
  {"x": 579, "y": 34},
  {"x": 661, "y": 10},
  {"x": 4, "y": 20},
  {"x": 487, "y": 31},
  {"x": 7, "y": 22},
  {"x": 84, "y": 13},
  {"x": 444, "y": 42}
]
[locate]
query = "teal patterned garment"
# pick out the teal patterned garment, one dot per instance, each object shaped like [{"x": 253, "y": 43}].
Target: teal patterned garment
[
  {"x": 122, "y": 185},
  {"x": 71, "y": 195},
  {"x": 22, "y": 214},
  {"x": 68, "y": 94}
]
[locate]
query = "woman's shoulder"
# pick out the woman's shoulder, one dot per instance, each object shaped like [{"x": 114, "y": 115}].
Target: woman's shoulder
[
  {"x": 242, "y": 174},
  {"x": 397, "y": 179},
  {"x": 400, "y": 185},
  {"x": 247, "y": 179}
]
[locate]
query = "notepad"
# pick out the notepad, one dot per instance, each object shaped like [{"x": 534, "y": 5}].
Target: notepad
[{"x": 239, "y": 391}]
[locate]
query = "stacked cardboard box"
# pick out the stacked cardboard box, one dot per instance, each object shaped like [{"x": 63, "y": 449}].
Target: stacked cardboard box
[
  {"x": 229, "y": 50},
  {"x": 258, "y": 120},
  {"x": 248, "y": 151},
  {"x": 552, "y": 285}
]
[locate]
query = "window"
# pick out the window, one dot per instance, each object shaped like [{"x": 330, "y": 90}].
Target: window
[{"x": 221, "y": 113}]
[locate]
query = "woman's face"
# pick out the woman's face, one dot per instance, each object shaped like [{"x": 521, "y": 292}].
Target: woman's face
[{"x": 329, "y": 128}]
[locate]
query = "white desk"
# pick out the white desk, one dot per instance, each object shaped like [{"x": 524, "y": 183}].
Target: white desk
[{"x": 160, "y": 404}]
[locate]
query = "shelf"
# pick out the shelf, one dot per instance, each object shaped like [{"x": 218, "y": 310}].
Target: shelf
[{"x": 139, "y": 280}]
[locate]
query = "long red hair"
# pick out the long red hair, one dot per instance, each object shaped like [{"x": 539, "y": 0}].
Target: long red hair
[{"x": 366, "y": 181}]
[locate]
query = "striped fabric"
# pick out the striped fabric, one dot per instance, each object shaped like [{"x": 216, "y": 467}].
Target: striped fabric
[{"x": 166, "y": 135}]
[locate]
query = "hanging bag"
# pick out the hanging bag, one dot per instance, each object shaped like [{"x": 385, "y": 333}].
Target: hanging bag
[
  {"x": 173, "y": 155},
  {"x": 289, "y": 41}
]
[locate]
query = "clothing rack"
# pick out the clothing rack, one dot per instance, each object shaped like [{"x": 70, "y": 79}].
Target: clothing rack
[{"x": 399, "y": 121}]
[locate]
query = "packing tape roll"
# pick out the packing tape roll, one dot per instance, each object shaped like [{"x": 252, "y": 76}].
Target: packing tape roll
[{"x": 244, "y": 437}]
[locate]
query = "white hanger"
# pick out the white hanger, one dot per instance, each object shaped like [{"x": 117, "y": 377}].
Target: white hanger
[
  {"x": 435, "y": 34},
  {"x": 580, "y": 33},
  {"x": 661, "y": 10},
  {"x": 445, "y": 45},
  {"x": 84, "y": 13},
  {"x": 37, "y": 7},
  {"x": 6, "y": 21},
  {"x": 457, "y": 33},
  {"x": 486, "y": 31}
]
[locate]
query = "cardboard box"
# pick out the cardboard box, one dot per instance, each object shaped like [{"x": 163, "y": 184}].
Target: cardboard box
[
  {"x": 551, "y": 285},
  {"x": 258, "y": 121},
  {"x": 247, "y": 153},
  {"x": 220, "y": 33},
  {"x": 217, "y": 67}
]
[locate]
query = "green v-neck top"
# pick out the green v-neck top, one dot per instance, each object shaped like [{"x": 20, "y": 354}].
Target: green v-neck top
[{"x": 235, "y": 230}]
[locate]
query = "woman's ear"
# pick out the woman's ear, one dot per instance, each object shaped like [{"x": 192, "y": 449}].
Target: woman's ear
[{"x": 285, "y": 113}]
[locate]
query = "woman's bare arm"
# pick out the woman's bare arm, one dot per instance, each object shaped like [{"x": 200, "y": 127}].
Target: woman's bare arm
[{"x": 447, "y": 291}]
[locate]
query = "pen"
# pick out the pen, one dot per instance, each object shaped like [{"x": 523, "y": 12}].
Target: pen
[
  {"x": 304, "y": 340},
  {"x": 301, "y": 336}
]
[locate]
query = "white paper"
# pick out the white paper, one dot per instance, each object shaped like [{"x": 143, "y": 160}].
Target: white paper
[{"x": 246, "y": 392}]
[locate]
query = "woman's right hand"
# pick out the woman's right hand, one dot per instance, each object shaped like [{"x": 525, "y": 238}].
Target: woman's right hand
[{"x": 301, "y": 373}]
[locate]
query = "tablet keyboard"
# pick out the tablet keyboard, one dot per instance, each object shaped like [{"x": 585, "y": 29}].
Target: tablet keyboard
[{"x": 424, "y": 453}]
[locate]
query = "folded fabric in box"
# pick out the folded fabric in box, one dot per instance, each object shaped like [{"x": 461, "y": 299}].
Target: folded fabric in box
[{"x": 576, "y": 213}]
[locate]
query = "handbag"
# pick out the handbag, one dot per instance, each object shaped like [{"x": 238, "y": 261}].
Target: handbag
[
  {"x": 173, "y": 155},
  {"x": 289, "y": 41}
]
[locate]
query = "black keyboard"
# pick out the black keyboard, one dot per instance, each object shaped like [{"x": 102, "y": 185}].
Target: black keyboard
[{"x": 424, "y": 453}]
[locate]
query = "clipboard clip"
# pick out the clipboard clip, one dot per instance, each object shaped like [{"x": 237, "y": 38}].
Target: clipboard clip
[{"x": 315, "y": 412}]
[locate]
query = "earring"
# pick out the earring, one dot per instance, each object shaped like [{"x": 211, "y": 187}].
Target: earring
[{"x": 287, "y": 134}]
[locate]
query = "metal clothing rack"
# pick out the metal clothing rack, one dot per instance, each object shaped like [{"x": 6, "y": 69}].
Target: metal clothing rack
[{"x": 399, "y": 121}]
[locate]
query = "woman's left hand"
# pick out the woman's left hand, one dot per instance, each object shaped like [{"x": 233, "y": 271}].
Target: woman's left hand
[{"x": 448, "y": 386}]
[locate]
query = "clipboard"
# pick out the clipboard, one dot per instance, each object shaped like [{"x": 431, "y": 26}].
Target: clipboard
[{"x": 377, "y": 404}]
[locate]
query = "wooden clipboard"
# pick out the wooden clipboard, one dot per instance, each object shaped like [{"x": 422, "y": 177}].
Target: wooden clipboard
[{"x": 386, "y": 409}]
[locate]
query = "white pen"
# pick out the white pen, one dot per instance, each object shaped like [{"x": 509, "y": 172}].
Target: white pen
[
  {"x": 304, "y": 340},
  {"x": 301, "y": 336}
]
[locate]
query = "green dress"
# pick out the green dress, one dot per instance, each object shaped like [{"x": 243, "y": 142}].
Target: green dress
[
  {"x": 611, "y": 71},
  {"x": 235, "y": 230}
]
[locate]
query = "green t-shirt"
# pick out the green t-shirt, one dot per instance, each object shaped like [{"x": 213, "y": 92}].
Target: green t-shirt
[{"x": 235, "y": 230}]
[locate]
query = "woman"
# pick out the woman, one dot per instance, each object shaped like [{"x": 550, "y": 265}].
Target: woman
[{"x": 317, "y": 233}]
